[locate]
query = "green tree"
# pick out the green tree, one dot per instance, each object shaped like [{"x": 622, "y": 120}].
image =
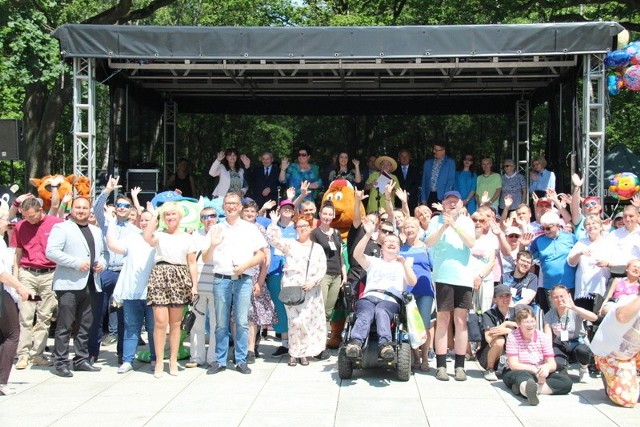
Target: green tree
[{"x": 30, "y": 61}]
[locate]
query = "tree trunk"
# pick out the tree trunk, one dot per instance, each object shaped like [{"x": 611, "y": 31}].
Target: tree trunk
[{"x": 42, "y": 111}]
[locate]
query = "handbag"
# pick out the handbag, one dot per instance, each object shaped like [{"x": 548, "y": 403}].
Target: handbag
[
  {"x": 415, "y": 325},
  {"x": 294, "y": 295},
  {"x": 190, "y": 317},
  {"x": 474, "y": 321},
  {"x": 291, "y": 295}
]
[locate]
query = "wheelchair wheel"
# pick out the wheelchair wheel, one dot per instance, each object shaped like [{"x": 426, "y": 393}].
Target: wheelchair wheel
[
  {"x": 345, "y": 366},
  {"x": 404, "y": 362}
]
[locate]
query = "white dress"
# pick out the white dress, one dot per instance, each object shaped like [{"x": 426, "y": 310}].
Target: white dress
[{"x": 307, "y": 321}]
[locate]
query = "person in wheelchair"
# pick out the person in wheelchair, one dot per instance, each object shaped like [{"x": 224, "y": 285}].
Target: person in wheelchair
[{"x": 387, "y": 278}]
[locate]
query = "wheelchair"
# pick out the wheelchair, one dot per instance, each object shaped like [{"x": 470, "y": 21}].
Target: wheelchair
[{"x": 369, "y": 357}]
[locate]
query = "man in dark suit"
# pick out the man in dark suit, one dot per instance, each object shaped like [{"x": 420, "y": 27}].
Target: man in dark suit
[
  {"x": 77, "y": 248},
  {"x": 263, "y": 180},
  {"x": 409, "y": 177}
]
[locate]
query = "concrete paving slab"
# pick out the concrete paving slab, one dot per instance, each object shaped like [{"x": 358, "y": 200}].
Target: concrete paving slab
[{"x": 278, "y": 395}]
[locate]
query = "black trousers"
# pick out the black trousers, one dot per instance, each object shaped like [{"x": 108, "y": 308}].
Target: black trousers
[
  {"x": 74, "y": 306},
  {"x": 9, "y": 334},
  {"x": 559, "y": 383}
]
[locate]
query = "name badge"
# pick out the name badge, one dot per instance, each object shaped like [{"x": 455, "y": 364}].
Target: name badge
[
  {"x": 564, "y": 335},
  {"x": 332, "y": 245}
]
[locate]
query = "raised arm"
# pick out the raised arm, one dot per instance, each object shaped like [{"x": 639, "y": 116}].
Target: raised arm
[
  {"x": 357, "y": 212},
  {"x": 148, "y": 232},
  {"x": 358, "y": 251},
  {"x": 214, "y": 170}
]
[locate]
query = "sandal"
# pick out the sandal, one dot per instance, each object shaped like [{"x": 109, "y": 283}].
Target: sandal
[
  {"x": 304, "y": 361},
  {"x": 293, "y": 361}
]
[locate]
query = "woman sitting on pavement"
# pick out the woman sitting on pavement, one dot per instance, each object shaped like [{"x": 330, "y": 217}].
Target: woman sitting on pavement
[
  {"x": 305, "y": 265},
  {"x": 531, "y": 367},
  {"x": 564, "y": 325}
]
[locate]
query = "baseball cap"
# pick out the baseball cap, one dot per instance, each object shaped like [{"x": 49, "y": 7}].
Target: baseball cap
[
  {"x": 451, "y": 194},
  {"x": 501, "y": 290},
  {"x": 287, "y": 202},
  {"x": 513, "y": 230}
]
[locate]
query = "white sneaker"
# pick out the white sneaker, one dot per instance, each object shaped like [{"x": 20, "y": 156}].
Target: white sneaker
[
  {"x": 490, "y": 375},
  {"x": 125, "y": 367},
  {"x": 6, "y": 391},
  {"x": 583, "y": 374}
]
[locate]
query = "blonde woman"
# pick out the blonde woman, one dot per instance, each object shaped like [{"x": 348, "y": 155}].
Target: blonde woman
[{"x": 173, "y": 281}]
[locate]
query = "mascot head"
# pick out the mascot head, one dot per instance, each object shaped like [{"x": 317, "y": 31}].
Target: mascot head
[
  {"x": 81, "y": 184},
  {"x": 342, "y": 194}
]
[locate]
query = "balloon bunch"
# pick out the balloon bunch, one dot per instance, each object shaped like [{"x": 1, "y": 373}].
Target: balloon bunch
[
  {"x": 624, "y": 185},
  {"x": 624, "y": 68}
]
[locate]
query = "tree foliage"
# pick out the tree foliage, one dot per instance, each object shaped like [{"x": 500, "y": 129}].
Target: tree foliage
[{"x": 35, "y": 84}]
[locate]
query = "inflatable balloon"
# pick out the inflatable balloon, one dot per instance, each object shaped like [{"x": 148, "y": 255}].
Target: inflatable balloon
[
  {"x": 169, "y": 196},
  {"x": 617, "y": 59},
  {"x": 633, "y": 50},
  {"x": 614, "y": 83},
  {"x": 632, "y": 78},
  {"x": 624, "y": 185}
]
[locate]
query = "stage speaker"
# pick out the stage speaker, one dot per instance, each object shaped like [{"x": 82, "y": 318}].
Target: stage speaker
[
  {"x": 11, "y": 141},
  {"x": 146, "y": 179}
]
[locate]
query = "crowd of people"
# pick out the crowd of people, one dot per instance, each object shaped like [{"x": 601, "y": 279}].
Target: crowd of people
[{"x": 555, "y": 281}]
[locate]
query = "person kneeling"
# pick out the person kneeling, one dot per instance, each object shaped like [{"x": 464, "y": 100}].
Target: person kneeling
[
  {"x": 531, "y": 367},
  {"x": 498, "y": 322},
  {"x": 387, "y": 278}
]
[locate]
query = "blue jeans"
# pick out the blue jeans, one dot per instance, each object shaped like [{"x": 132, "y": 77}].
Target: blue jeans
[
  {"x": 368, "y": 309},
  {"x": 226, "y": 293},
  {"x": 135, "y": 310}
]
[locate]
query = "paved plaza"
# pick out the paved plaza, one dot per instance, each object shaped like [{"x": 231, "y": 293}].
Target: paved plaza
[{"x": 278, "y": 395}]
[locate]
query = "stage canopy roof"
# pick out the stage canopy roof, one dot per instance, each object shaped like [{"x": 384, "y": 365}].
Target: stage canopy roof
[{"x": 339, "y": 70}]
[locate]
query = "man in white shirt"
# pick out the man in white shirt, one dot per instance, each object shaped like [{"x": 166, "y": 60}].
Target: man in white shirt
[{"x": 236, "y": 251}]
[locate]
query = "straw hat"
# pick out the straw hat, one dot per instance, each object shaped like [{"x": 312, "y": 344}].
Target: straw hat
[{"x": 379, "y": 160}]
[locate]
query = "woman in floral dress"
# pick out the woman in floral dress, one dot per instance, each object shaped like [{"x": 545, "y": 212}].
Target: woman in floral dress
[
  {"x": 305, "y": 266},
  {"x": 261, "y": 311}
]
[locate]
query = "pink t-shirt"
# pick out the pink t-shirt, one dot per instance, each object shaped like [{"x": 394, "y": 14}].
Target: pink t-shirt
[
  {"x": 625, "y": 288},
  {"x": 530, "y": 352}
]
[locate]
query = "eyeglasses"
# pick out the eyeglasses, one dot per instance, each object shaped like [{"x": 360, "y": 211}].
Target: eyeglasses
[
  {"x": 302, "y": 226},
  {"x": 123, "y": 205},
  {"x": 513, "y": 236},
  {"x": 590, "y": 204},
  {"x": 548, "y": 227},
  {"x": 303, "y": 154},
  {"x": 524, "y": 261},
  {"x": 210, "y": 216},
  {"x": 478, "y": 220},
  {"x": 387, "y": 232}
]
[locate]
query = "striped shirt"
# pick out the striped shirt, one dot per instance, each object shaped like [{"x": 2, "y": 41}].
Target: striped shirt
[{"x": 530, "y": 352}]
